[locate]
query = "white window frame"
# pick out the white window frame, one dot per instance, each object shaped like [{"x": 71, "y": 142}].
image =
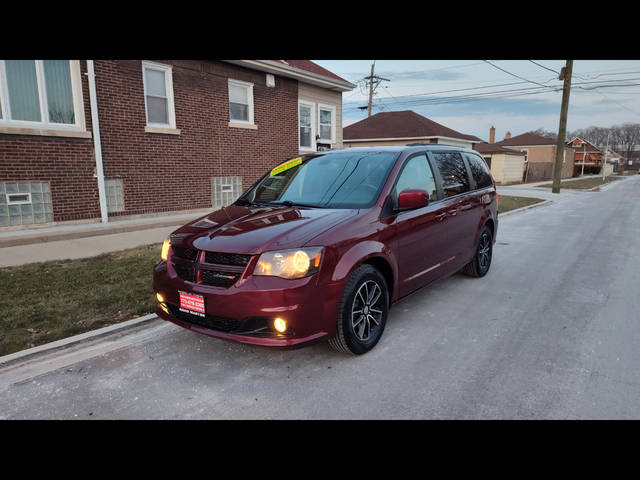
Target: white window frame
[
  {"x": 332, "y": 109},
  {"x": 44, "y": 123},
  {"x": 168, "y": 85},
  {"x": 19, "y": 202},
  {"x": 249, "y": 87},
  {"x": 314, "y": 145}
]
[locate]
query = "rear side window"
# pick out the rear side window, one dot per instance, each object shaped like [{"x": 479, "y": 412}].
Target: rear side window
[
  {"x": 479, "y": 171},
  {"x": 417, "y": 174},
  {"x": 453, "y": 172}
]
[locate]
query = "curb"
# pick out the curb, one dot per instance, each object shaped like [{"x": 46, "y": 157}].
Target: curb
[
  {"x": 22, "y": 355},
  {"x": 528, "y": 207}
]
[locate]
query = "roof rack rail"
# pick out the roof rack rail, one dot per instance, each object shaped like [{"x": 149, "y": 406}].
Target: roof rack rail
[{"x": 416, "y": 144}]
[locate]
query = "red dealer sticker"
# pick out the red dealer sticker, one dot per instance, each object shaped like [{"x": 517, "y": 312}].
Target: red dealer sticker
[{"x": 192, "y": 303}]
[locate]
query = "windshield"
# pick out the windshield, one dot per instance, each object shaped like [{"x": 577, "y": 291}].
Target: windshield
[{"x": 341, "y": 179}]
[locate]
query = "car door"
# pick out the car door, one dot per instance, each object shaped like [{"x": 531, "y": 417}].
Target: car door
[
  {"x": 481, "y": 193},
  {"x": 421, "y": 244},
  {"x": 456, "y": 187}
]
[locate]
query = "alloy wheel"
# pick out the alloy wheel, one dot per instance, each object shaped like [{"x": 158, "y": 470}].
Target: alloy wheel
[
  {"x": 484, "y": 251},
  {"x": 367, "y": 309}
]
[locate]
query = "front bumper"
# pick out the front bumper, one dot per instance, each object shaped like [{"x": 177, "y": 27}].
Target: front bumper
[{"x": 245, "y": 311}]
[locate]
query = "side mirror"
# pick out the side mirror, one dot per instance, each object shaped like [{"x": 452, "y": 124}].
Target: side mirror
[{"x": 410, "y": 199}]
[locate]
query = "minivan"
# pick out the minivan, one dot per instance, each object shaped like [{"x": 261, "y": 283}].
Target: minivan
[{"x": 324, "y": 244}]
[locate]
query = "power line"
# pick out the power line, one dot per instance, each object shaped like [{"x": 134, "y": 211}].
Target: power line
[
  {"x": 557, "y": 73},
  {"x": 502, "y": 94},
  {"x": 545, "y": 88},
  {"x": 513, "y": 74}
]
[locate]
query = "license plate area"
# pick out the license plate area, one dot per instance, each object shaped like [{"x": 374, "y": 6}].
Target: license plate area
[{"x": 192, "y": 303}]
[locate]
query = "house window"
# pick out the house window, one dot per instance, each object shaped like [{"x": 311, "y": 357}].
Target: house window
[
  {"x": 158, "y": 95},
  {"x": 115, "y": 195},
  {"x": 25, "y": 203},
  {"x": 41, "y": 93},
  {"x": 306, "y": 136},
  {"x": 326, "y": 123},
  {"x": 240, "y": 101}
]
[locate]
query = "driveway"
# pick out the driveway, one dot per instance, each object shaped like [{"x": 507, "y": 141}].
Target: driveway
[{"x": 551, "y": 332}]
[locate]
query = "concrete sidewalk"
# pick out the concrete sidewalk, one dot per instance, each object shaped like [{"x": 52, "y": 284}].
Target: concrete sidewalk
[
  {"x": 534, "y": 189},
  {"x": 61, "y": 242}
]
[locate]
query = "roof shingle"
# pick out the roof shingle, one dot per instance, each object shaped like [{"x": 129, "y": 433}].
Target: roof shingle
[
  {"x": 528, "y": 138},
  {"x": 309, "y": 66},
  {"x": 403, "y": 124}
]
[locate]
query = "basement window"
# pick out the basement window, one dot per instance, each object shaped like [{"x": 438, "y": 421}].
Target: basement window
[{"x": 18, "y": 198}]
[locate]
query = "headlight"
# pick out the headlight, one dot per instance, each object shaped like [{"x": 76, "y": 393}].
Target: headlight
[
  {"x": 295, "y": 263},
  {"x": 165, "y": 250}
]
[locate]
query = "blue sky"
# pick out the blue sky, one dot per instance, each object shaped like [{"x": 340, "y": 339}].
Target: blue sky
[{"x": 430, "y": 88}]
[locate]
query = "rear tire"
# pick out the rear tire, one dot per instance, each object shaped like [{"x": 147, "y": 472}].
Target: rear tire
[
  {"x": 363, "y": 311},
  {"x": 479, "y": 265}
]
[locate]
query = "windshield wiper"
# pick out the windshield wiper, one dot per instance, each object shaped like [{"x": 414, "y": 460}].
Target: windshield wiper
[{"x": 289, "y": 203}]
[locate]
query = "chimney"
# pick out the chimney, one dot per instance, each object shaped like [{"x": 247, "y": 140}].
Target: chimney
[
  {"x": 492, "y": 134},
  {"x": 507, "y": 136}
]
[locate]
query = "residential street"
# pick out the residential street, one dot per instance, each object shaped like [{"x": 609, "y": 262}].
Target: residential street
[{"x": 551, "y": 332}]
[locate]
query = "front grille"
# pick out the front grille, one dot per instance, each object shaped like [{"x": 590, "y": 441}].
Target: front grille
[
  {"x": 186, "y": 253},
  {"x": 219, "y": 278},
  {"x": 218, "y": 269},
  {"x": 220, "y": 258},
  {"x": 185, "y": 272},
  {"x": 221, "y": 324}
]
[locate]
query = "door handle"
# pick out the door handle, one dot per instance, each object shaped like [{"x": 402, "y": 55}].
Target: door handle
[
  {"x": 453, "y": 212},
  {"x": 466, "y": 206},
  {"x": 440, "y": 216}
]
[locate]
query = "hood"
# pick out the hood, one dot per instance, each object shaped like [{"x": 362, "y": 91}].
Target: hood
[{"x": 253, "y": 230}]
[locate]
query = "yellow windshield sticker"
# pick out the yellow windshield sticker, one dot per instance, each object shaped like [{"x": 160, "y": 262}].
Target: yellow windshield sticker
[{"x": 286, "y": 166}]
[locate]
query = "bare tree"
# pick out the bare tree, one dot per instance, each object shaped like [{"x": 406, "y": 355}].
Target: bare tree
[
  {"x": 625, "y": 137},
  {"x": 544, "y": 133},
  {"x": 595, "y": 135}
]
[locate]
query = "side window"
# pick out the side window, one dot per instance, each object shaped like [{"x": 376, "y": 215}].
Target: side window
[
  {"x": 240, "y": 101},
  {"x": 417, "y": 174},
  {"x": 158, "y": 95},
  {"x": 453, "y": 172},
  {"x": 479, "y": 171}
]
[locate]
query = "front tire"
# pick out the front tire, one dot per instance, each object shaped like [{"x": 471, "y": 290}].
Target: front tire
[
  {"x": 363, "y": 312},
  {"x": 479, "y": 265}
]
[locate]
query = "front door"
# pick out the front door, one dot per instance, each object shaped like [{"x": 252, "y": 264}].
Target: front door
[{"x": 421, "y": 245}]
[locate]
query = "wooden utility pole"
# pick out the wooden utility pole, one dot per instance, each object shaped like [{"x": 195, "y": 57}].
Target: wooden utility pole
[
  {"x": 374, "y": 81},
  {"x": 565, "y": 74},
  {"x": 604, "y": 160},
  {"x": 370, "y": 89}
]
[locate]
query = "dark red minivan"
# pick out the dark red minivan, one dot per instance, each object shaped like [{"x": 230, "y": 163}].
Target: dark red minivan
[{"x": 321, "y": 246}]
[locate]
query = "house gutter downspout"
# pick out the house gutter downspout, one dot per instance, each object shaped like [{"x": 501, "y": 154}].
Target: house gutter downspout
[{"x": 93, "y": 100}]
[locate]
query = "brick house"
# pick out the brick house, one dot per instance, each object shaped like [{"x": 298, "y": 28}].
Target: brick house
[
  {"x": 540, "y": 156},
  {"x": 400, "y": 128},
  {"x": 587, "y": 156},
  {"x": 82, "y": 140}
]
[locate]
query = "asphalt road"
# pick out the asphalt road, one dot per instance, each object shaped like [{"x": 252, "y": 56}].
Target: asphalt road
[{"x": 552, "y": 332}]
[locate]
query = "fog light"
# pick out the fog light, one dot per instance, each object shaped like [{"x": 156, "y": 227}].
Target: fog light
[
  {"x": 164, "y": 308},
  {"x": 280, "y": 325},
  {"x": 159, "y": 297}
]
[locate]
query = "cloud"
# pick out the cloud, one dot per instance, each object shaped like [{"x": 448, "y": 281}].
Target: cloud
[{"x": 442, "y": 75}]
